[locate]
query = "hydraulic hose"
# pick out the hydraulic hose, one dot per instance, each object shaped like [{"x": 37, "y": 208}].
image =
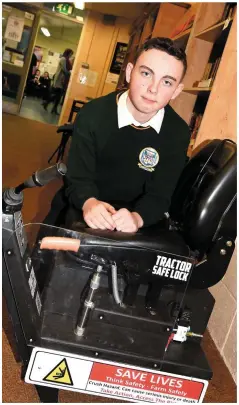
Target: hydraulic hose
[{"x": 115, "y": 287}]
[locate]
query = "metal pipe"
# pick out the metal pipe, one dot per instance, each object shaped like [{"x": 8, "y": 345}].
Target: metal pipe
[{"x": 84, "y": 313}]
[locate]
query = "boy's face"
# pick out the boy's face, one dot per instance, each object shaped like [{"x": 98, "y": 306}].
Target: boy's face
[{"x": 154, "y": 81}]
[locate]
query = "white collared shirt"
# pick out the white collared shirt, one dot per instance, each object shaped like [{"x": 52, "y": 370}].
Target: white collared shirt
[{"x": 126, "y": 118}]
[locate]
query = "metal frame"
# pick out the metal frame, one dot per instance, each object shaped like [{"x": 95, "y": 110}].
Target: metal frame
[{"x": 46, "y": 394}]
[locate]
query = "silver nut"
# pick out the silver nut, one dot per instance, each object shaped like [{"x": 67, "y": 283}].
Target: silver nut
[
  {"x": 229, "y": 243},
  {"x": 79, "y": 331},
  {"x": 223, "y": 252},
  {"x": 89, "y": 304}
]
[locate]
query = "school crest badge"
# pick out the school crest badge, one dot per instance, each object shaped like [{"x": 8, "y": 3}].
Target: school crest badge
[{"x": 148, "y": 159}]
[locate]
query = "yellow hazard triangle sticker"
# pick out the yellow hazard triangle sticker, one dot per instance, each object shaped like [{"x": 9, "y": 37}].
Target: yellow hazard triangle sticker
[{"x": 60, "y": 374}]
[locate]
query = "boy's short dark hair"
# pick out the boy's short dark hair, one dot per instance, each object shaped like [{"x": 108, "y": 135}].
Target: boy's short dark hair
[{"x": 165, "y": 45}]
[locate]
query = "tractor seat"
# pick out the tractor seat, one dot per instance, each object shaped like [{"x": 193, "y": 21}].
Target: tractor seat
[
  {"x": 156, "y": 238},
  {"x": 204, "y": 202},
  {"x": 201, "y": 205}
]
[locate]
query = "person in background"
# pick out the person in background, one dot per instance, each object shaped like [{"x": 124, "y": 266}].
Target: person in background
[
  {"x": 62, "y": 72},
  {"x": 36, "y": 78},
  {"x": 37, "y": 84},
  {"x": 45, "y": 83},
  {"x": 34, "y": 85},
  {"x": 66, "y": 80}
]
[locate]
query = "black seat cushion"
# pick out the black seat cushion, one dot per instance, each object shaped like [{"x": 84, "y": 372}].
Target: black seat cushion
[{"x": 157, "y": 237}]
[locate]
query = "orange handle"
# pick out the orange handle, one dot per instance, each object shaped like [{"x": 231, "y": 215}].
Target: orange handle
[{"x": 60, "y": 243}]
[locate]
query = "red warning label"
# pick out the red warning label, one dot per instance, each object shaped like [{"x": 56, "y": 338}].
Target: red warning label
[
  {"x": 124, "y": 381},
  {"x": 112, "y": 380}
]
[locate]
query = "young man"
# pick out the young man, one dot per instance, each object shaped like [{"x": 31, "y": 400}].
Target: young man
[{"x": 128, "y": 149}]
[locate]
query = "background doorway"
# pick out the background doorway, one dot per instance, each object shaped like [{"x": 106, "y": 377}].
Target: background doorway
[{"x": 61, "y": 34}]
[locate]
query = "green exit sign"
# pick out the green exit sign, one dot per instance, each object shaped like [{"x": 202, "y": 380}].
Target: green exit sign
[{"x": 64, "y": 8}]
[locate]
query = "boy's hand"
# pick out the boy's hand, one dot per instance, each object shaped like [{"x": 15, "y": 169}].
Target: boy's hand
[
  {"x": 127, "y": 221},
  {"x": 98, "y": 214}
]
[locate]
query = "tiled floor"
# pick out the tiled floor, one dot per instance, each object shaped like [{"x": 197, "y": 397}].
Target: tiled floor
[{"x": 32, "y": 109}]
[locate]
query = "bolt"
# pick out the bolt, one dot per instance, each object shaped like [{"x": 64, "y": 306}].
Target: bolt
[
  {"x": 229, "y": 243},
  {"x": 155, "y": 365},
  {"x": 101, "y": 317},
  {"x": 223, "y": 252},
  {"x": 30, "y": 340},
  {"x": 168, "y": 329},
  {"x": 96, "y": 354},
  {"x": 9, "y": 252}
]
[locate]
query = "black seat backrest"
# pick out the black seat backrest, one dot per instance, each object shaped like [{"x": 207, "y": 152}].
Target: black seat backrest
[{"x": 205, "y": 192}]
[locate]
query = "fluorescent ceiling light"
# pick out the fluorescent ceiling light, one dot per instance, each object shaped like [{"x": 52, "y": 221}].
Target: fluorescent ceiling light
[
  {"x": 79, "y": 4},
  {"x": 45, "y": 32}
]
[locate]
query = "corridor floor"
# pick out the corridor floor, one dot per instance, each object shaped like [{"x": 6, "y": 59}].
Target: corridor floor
[{"x": 32, "y": 109}]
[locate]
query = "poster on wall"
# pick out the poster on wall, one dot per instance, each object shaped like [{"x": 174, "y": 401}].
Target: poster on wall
[
  {"x": 112, "y": 78},
  {"x": 53, "y": 59},
  {"x": 87, "y": 77},
  {"x": 118, "y": 58},
  {"x": 14, "y": 28},
  {"x": 51, "y": 70},
  {"x": 29, "y": 16}
]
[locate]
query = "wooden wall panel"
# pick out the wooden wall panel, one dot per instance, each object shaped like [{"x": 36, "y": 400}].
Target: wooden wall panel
[
  {"x": 96, "y": 47},
  {"x": 165, "y": 23},
  {"x": 121, "y": 35},
  {"x": 197, "y": 58},
  {"x": 198, "y": 52},
  {"x": 220, "y": 119},
  {"x": 210, "y": 14},
  {"x": 183, "y": 105},
  {"x": 73, "y": 90}
]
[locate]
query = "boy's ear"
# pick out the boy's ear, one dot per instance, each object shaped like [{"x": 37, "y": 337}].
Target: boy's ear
[
  {"x": 128, "y": 72},
  {"x": 178, "y": 90}
]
